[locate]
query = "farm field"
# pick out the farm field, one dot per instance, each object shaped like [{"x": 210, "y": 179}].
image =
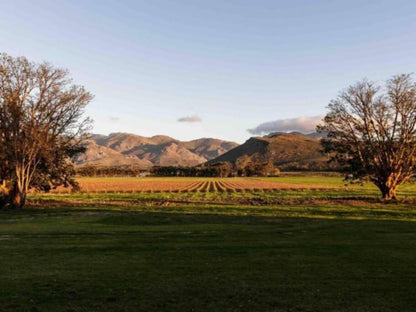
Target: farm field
[
  {"x": 179, "y": 184},
  {"x": 189, "y": 184},
  {"x": 277, "y": 190},
  {"x": 309, "y": 243}
]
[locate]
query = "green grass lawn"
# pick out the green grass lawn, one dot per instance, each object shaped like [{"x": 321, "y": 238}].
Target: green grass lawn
[
  {"x": 202, "y": 258},
  {"x": 292, "y": 250}
]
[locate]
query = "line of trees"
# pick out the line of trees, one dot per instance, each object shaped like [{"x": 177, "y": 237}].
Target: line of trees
[
  {"x": 245, "y": 168},
  {"x": 110, "y": 171},
  {"x": 221, "y": 169}
]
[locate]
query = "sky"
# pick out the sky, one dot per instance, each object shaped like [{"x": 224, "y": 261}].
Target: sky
[{"x": 227, "y": 69}]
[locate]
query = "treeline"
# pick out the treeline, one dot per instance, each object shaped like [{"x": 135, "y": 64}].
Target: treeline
[
  {"x": 221, "y": 169},
  {"x": 110, "y": 171},
  {"x": 244, "y": 167},
  {"x": 309, "y": 166}
]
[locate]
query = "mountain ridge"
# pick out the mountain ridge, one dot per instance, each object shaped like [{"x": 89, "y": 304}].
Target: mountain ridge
[
  {"x": 287, "y": 151},
  {"x": 121, "y": 148}
]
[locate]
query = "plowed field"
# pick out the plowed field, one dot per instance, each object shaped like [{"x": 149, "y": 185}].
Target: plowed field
[{"x": 98, "y": 185}]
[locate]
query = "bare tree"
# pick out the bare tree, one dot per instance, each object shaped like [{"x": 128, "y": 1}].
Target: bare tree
[
  {"x": 40, "y": 126},
  {"x": 372, "y": 132}
]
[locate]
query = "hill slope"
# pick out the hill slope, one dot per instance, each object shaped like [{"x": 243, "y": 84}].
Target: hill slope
[{"x": 288, "y": 151}]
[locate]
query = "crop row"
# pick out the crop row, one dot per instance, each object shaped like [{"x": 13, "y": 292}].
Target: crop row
[{"x": 179, "y": 186}]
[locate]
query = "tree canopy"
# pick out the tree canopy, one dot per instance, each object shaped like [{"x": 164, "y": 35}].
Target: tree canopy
[
  {"x": 41, "y": 127},
  {"x": 371, "y": 131}
]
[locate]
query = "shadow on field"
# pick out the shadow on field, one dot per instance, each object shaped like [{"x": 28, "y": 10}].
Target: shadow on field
[
  {"x": 315, "y": 209},
  {"x": 250, "y": 201},
  {"x": 190, "y": 259}
]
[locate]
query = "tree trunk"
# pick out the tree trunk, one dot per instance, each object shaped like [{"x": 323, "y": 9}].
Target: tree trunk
[
  {"x": 17, "y": 197},
  {"x": 4, "y": 194},
  {"x": 388, "y": 192}
]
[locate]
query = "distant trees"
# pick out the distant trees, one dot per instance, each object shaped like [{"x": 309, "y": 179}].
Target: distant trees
[
  {"x": 173, "y": 171},
  {"x": 40, "y": 127},
  {"x": 222, "y": 169},
  {"x": 372, "y": 132},
  {"x": 255, "y": 166},
  {"x": 93, "y": 171},
  {"x": 245, "y": 167}
]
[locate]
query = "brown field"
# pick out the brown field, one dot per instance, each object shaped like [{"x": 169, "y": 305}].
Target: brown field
[{"x": 177, "y": 185}]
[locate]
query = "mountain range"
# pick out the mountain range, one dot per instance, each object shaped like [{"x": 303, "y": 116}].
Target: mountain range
[
  {"x": 288, "y": 151},
  {"x": 117, "y": 149}
]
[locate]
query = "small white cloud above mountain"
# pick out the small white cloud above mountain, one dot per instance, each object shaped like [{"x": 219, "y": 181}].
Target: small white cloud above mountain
[
  {"x": 114, "y": 118},
  {"x": 193, "y": 118},
  {"x": 301, "y": 124}
]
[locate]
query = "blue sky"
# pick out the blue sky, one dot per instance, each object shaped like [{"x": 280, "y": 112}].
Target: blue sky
[{"x": 226, "y": 65}]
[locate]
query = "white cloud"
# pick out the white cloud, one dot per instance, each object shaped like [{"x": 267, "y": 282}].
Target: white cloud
[
  {"x": 193, "y": 118},
  {"x": 114, "y": 119},
  {"x": 301, "y": 124}
]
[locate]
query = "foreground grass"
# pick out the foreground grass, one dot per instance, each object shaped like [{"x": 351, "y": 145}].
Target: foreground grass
[
  {"x": 329, "y": 249},
  {"x": 206, "y": 257}
]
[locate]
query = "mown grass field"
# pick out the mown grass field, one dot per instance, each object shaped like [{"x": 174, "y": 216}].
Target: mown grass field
[{"x": 292, "y": 249}]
